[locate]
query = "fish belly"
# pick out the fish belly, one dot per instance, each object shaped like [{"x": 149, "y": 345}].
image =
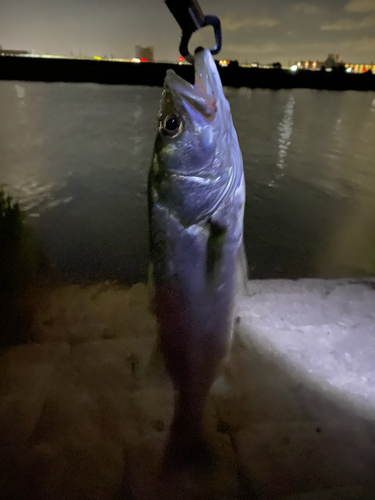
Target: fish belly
[{"x": 194, "y": 307}]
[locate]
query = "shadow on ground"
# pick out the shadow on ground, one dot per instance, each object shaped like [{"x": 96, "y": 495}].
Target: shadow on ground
[{"x": 85, "y": 409}]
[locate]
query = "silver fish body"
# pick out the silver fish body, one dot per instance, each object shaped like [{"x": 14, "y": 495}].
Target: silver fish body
[{"x": 196, "y": 205}]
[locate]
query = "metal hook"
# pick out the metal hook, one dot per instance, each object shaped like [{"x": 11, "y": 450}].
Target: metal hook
[{"x": 190, "y": 17}]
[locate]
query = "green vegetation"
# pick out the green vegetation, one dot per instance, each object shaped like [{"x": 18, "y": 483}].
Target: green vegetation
[{"x": 19, "y": 265}]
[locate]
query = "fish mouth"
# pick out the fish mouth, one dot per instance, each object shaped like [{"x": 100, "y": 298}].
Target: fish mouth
[{"x": 203, "y": 95}]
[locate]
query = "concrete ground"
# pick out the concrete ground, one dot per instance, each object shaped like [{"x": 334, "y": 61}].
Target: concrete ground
[{"x": 85, "y": 408}]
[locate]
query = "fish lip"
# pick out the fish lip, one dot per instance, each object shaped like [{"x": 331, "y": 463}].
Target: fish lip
[
  {"x": 203, "y": 70},
  {"x": 176, "y": 83},
  {"x": 200, "y": 95},
  {"x": 207, "y": 76}
]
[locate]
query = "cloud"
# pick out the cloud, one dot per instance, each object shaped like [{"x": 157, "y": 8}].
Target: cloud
[
  {"x": 360, "y": 6},
  {"x": 251, "y": 48},
  {"x": 350, "y": 49},
  {"x": 232, "y": 22},
  {"x": 349, "y": 24},
  {"x": 308, "y": 8}
]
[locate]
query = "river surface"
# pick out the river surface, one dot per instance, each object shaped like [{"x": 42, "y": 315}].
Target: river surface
[{"x": 76, "y": 157}]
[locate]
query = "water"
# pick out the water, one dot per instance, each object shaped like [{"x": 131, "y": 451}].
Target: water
[{"x": 76, "y": 156}]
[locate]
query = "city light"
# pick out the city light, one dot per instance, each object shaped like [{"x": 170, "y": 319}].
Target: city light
[
  {"x": 147, "y": 55},
  {"x": 181, "y": 60}
]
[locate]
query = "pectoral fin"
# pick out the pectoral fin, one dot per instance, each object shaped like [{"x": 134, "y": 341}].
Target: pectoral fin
[{"x": 215, "y": 246}]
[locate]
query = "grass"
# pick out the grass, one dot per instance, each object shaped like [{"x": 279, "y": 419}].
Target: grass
[{"x": 20, "y": 262}]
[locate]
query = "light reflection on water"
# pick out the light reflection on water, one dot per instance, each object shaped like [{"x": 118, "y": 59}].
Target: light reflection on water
[
  {"x": 76, "y": 156},
  {"x": 285, "y": 129}
]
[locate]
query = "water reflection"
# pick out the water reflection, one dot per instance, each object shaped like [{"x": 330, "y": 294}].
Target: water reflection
[
  {"x": 285, "y": 129},
  {"x": 77, "y": 158},
  {"x": 26, "y": 171},
  {"x": 350, "y": 250}
]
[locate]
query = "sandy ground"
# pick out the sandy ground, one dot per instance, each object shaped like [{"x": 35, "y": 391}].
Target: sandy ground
[{"x": 85, "y": 408}]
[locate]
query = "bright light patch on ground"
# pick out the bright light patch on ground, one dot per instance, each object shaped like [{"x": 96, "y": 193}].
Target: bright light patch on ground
[
  {"x": 85, "y": 409},
  {"x": 323, "y": 329}
]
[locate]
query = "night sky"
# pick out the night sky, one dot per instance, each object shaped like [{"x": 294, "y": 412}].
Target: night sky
[{"x": 264, "y": 31}]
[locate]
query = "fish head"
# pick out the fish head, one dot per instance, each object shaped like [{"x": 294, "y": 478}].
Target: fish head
[{"x": 194, "y": 123}]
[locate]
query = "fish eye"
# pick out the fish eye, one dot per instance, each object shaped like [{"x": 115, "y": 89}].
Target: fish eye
[{"x": 172, "y": 125}]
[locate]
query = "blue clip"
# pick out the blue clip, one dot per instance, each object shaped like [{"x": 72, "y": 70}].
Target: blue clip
[{"x": 190, "y": 17}]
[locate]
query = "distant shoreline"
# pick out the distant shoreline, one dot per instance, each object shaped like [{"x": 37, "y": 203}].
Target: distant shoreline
[{"x": 152, "y": 74}]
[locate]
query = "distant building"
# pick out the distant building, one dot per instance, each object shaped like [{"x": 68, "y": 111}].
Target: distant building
[
  {"x": 10, "y": 52},
  {"x": 333, "y": 61},
  {"x": 144, "y": 53},
  {"x": 360, "y": 68},
  {"x": 251, "y": 65},
  {"x": 311, "y": 65}
]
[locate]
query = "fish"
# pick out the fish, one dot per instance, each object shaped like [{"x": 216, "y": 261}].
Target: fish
[{"x": 196, "y": 202}]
